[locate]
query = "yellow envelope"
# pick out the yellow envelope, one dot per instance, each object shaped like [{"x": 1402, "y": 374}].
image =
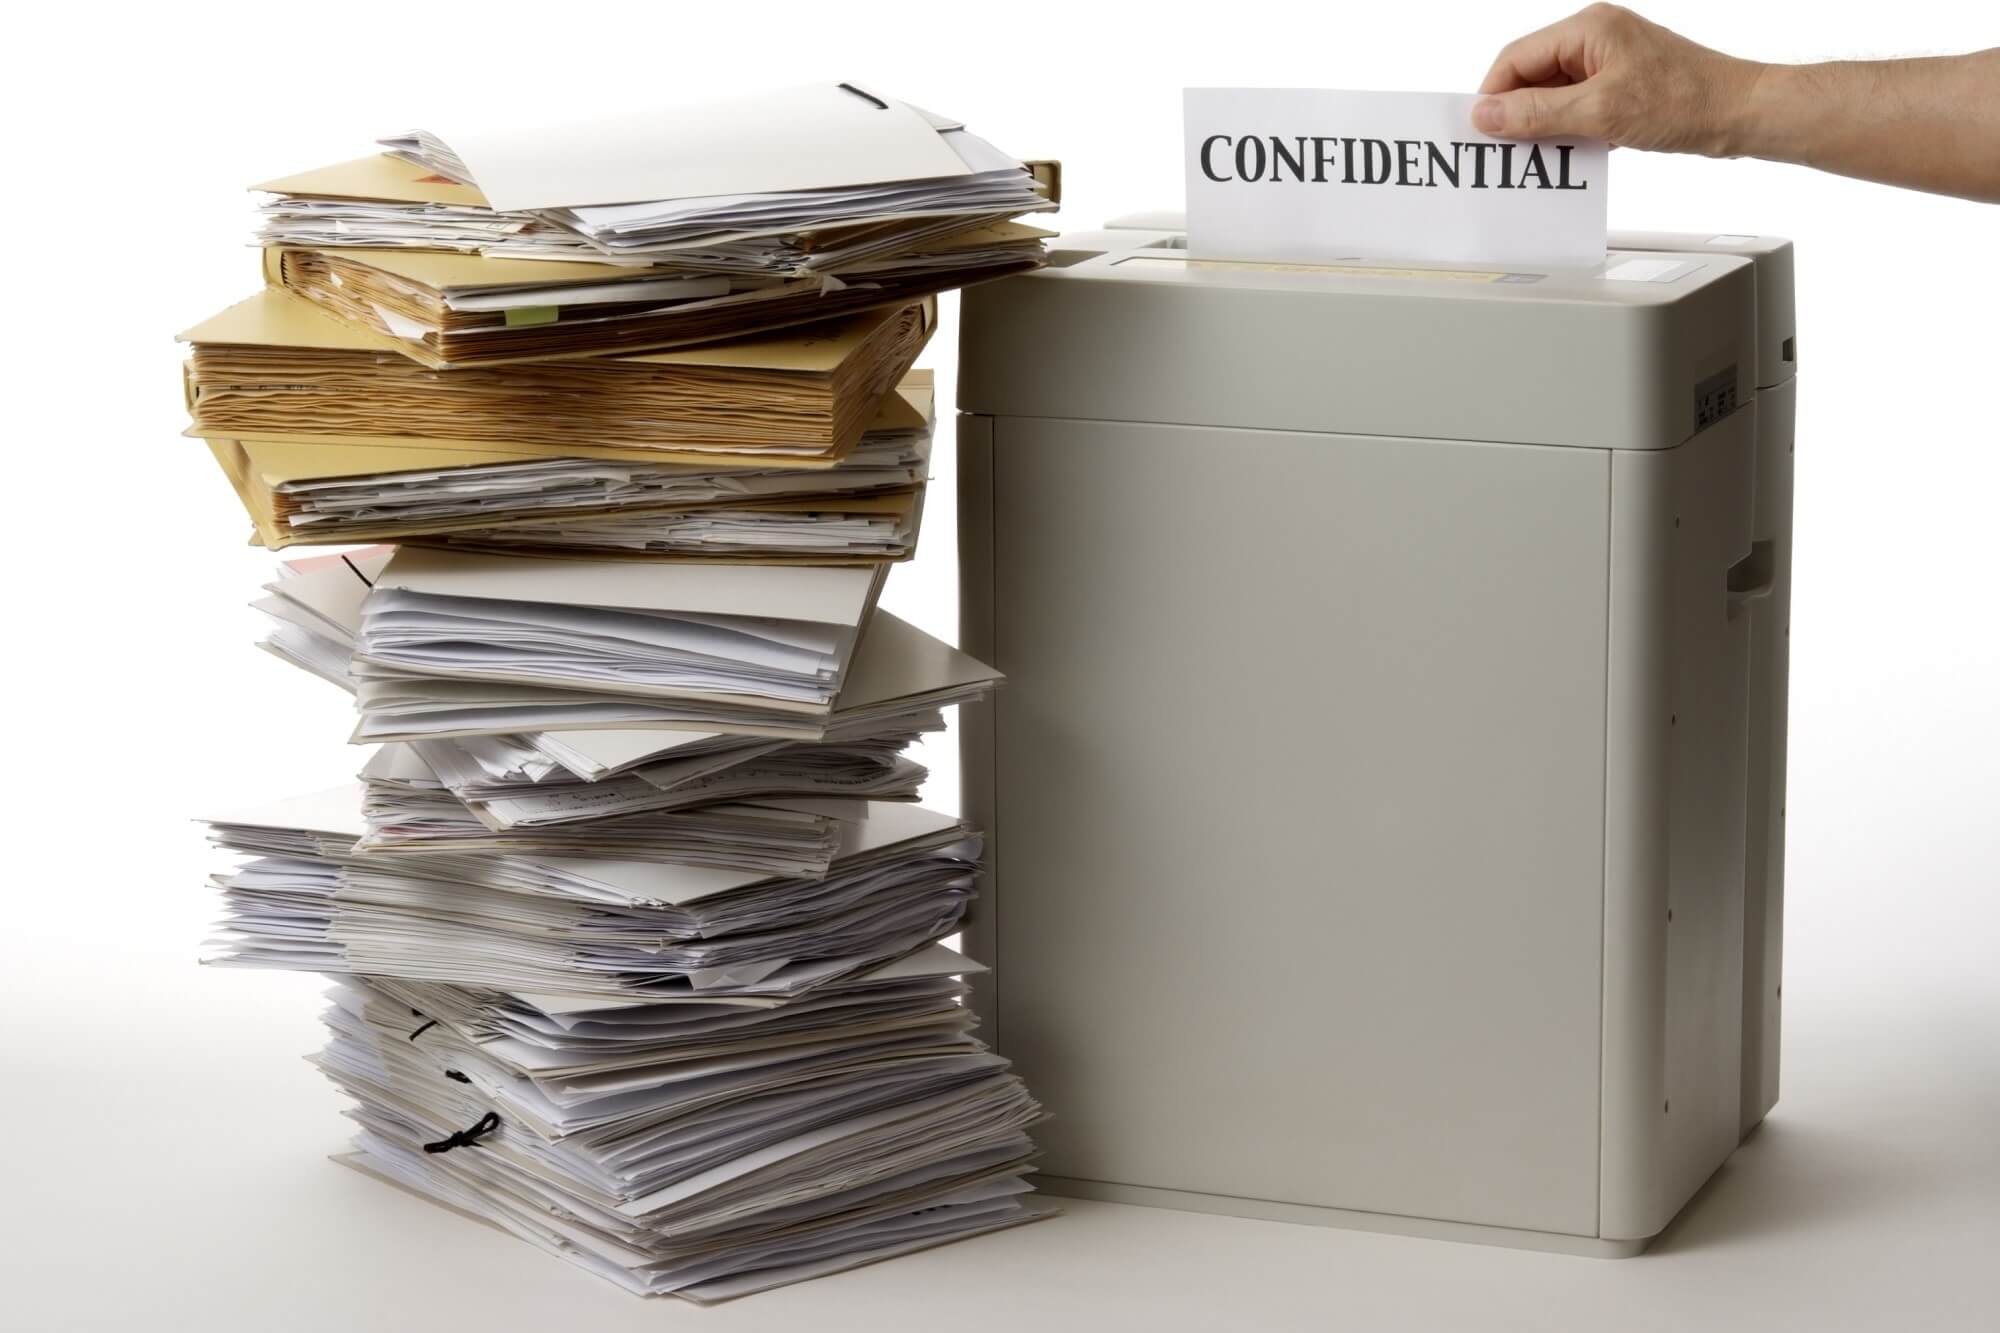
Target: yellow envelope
[
  {"x": 275, "y": 318},
  {"x": 274, "y": 460}
]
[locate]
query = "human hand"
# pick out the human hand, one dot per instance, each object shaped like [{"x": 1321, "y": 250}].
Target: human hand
[{"x": 1605, "y": 73}]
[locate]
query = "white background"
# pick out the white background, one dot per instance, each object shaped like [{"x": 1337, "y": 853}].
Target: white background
[{"x": 135, "y": 1086}]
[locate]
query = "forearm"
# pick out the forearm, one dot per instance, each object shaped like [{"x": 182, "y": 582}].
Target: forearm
[{"x": 1931, "y": 124}]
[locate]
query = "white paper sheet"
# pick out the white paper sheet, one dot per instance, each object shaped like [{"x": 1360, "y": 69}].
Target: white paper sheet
[
  {"x": 1313, "y": 175},
  {"x": 816, "y": 136},
  {"x": 804, "y": 593}
]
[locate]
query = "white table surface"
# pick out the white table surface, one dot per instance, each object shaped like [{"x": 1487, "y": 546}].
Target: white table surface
[{"x": 167, "y": 1169}]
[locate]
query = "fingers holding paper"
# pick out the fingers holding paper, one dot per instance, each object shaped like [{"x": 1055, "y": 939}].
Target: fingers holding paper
[{"x": 1606, "y": 73}]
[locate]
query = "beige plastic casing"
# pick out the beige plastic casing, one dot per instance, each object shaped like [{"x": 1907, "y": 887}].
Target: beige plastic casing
[{"x": 1386, "y": 794}]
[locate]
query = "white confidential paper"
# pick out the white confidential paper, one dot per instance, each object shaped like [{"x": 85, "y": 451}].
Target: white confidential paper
[{"x": 1312, "y": 175}]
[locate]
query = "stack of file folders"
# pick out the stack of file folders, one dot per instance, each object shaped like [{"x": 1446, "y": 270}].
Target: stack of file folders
[{"x": 635, "y": 927}]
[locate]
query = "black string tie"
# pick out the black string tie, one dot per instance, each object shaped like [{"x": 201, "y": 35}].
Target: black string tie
[
  {"x": 468, "y": 1137},
  {"x": 456, "y": 1077},
  {"x": 422, "y": 1030}
]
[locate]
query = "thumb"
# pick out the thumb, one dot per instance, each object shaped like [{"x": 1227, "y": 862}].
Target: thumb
[{"x": 1531, "y": 113}]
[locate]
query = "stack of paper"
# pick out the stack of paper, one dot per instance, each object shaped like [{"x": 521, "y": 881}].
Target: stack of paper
[
  {"x": 866, "y": 507},
  {"x": 403, "y": 777},
  {"x": 748, "y": 637},
  {"x": 898, "y": 682},
  {"x": 787, "y": 447},
  {"x": 898, "y": 877},
  {"x": 773, "y": 181},
  {"x": 701, "y": 1150},
  {"x": 503, "y": 867},
  {"x": 650, "y": 229},
  {"x": 442, "y": 307},
  {"x": 635, "y": 923}
]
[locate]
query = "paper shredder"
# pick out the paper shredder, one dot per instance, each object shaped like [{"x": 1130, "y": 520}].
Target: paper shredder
[{"x": 1387, "y": 790}]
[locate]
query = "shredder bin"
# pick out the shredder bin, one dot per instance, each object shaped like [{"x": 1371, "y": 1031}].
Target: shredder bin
[{"x": 1386, "y": 795}]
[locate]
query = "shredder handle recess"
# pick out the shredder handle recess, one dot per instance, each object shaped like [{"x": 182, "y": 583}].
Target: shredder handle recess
[{"x": 1753, "y": 577}]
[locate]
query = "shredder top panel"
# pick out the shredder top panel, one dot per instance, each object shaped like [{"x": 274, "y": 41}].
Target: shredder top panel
[{"x": 1126, "y": 326}]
